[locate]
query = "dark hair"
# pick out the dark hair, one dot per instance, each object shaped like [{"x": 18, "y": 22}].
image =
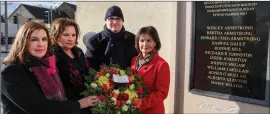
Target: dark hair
[
  {"x": 58, "y": 26},
  {"x": 19, "y": 47},
  {"x": 151, "y": 31}
]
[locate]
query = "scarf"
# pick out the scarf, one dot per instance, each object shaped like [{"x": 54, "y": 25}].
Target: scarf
[
  {"x": 76, "y": 70},
  {"x": 115, "y": 47},
  {"x": 141, "y": 61},
  {"x": 45, "y": 71}
]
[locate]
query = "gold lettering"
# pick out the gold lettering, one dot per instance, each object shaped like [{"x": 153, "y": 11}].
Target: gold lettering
[
  {"x": 222, "y": 48},
  {"x": 248, "y": 55},
  {"x": 236, "y": 65},
  {"x": 234, "y": 33},
  {"x": 214, "y": 33},
  {"x": 234, "y": 80},
  {"x": 216, "y": 58},
  {"x": 220, "y": 43},
  {"x": 214, "y": 27},
  {"x": 219, "y": 63},
  {"x": 217, "y": 83},
  {"x": 216, "y": 53},
  {"x": 233, "y": 85}
]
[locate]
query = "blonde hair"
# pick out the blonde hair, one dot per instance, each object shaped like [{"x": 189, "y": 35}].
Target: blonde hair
[
  {"x": 58, "y": 26},
  {"x": 19, "y": 46}
]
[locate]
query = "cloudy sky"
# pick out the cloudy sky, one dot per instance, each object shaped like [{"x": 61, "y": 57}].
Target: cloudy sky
[{"x": 13, "y": 5}]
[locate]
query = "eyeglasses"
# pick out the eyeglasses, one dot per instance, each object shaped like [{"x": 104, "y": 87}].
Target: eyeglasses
[{"x": 118, "y": 19}]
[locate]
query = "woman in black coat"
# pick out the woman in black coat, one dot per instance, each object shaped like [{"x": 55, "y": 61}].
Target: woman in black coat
[
  {"x": 30, "y": 83},
  {"x": 71, "y": 62}
]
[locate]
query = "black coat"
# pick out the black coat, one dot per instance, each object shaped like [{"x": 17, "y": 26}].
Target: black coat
[
  {"x": 97, "y": 45},
  {"x": 21, "y": 94},
  {"x": 72, "y": 91}
]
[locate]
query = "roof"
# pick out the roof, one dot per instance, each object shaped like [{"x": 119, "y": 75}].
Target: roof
[
  {"x": 71, "y": 6},
  {"x": 37, "y": 12}
]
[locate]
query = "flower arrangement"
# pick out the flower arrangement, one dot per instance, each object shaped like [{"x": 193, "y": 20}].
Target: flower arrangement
[{"x": 119, "y": 91}]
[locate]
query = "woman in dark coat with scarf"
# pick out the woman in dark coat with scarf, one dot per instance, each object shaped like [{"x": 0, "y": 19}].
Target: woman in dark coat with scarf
[
  {"x": 30, "y": 83},
  {"x": 71, "y": 62}
]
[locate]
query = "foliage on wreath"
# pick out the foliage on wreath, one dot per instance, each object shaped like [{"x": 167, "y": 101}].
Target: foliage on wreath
[{"x": 115, "y": 98}]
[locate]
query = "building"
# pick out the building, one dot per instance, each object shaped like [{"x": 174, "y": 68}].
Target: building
[
  {"x": 67, "y": 10},
  {"x": 27, "y": 13},
  {"x": 174, "y": 22}
]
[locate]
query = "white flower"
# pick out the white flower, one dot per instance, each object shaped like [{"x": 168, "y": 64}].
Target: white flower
[
  {"x": 128, "y": 102},
  {"x": 132, "y": 86},
  {"x": 107, "y": 75},
  {"x": 93, "y": 85},
  {"x": 124, "y": 108},
  {"x": 113, "y": 99},
  {"x": 116, "y": 91}
]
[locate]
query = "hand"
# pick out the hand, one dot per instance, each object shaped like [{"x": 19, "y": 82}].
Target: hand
[{"x": 88, "y": 101}]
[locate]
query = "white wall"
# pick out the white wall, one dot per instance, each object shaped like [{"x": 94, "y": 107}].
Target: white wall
[
  {"x": 24, "y": 14},
  {"x": 161, "y": 15}
]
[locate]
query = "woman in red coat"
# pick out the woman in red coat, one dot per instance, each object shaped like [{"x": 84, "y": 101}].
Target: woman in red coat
[{"x": 153, "y": 68}]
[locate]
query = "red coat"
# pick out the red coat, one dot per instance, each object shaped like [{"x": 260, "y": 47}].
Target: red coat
[{"x": 156, "y": 76}]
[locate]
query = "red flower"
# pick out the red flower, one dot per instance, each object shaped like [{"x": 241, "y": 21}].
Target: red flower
[
  {"x": 140, "y": 90},
  {"x": 125, "y": 36},
  {"x": 109, "y": 92},
  {"x": 111, "y": 87},
  {"x": 114, "y": 72},
  {"x": 119, "y": 98},
  {"x": 123, "y": 102},
  {"x": 128, "y": 84},
  {"x": 126, "y": 97},
  {"x": 104, "y": 86},
  {"x": 101, "y": 97},
  {"x": 97, "y": 75},
  {"x": 111, "y": 81},
  {"x": 102, "y": 71},
  {"x": 76, "y": 72},
  {"x": 113, "y": 68},
  {"x": 118, "y": 103}
]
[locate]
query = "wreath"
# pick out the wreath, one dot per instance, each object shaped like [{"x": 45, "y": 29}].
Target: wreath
[{"x": 119, "y": 91}]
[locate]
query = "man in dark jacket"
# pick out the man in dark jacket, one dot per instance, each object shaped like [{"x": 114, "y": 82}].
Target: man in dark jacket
[{"x": 113, "y": 45}]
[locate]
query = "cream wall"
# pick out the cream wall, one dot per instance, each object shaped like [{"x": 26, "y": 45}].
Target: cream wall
[
  {"x": 173, "y": 22},
  {"x": 90, "y": 17}
]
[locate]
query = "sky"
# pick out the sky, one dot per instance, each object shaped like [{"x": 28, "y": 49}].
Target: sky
[{"x": 11, "y": 6}]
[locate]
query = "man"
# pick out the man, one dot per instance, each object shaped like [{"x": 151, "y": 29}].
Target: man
[{"x": 113, "y": 45}]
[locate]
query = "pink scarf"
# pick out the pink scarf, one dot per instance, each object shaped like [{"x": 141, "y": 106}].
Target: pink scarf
[{"x": 48, "y": 78}]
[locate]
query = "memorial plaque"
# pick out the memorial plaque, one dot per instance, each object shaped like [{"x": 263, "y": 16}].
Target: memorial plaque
[{"x": 230, "y": 47}]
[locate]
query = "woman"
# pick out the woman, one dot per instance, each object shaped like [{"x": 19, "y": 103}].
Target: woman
[
  {"x": 30, "y": 83},
  {"x": 71, "y": 61},
  {"x": 153, "y": 68}
]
